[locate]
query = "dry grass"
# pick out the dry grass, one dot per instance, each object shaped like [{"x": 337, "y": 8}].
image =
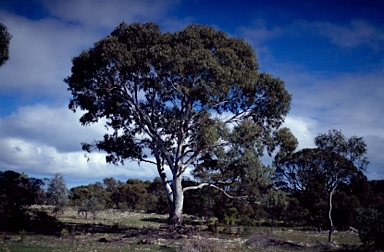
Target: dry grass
[{"x": 113, "y": 230}]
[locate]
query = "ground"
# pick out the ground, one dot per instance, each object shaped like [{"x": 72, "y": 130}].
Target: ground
[{"x": 113, "y": 230}]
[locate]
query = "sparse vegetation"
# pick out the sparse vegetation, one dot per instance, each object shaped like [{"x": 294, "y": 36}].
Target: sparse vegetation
[{"x": 119, "y": 230}]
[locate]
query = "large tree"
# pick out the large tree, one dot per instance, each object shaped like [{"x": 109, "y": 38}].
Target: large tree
[
  {"x": 5, "y": 38},
  {"x": 170, "y": 98}
]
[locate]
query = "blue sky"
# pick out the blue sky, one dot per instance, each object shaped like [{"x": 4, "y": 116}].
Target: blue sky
[{"x": 329, "y": 53}]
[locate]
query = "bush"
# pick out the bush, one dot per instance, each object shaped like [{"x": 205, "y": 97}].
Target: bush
[
  {"x": 246, "y": 221},
  {"x": 371, "y": 227}
]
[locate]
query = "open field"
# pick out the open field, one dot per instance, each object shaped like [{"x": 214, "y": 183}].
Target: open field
[{"x": 113, "y": 230}]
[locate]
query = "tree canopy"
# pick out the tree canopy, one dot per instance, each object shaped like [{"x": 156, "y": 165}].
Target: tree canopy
[{"x": 169, "y": 98}]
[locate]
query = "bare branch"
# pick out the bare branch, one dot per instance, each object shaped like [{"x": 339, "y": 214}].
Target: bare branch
[{"x": 214, "y": 186}]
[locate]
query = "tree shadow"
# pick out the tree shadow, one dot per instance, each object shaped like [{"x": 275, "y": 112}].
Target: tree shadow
[
  {"x": 38, "y": 222},
  {"x": 155, "y": 219}
]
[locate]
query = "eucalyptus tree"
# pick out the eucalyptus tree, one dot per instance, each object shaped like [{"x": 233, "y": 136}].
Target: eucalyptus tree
[
  {"x": 316, "y": 173},
  {"x": 353, "y": 149},
  {"x": 5, "y": 39},
  {"x": 170, "y": 97},
  {"x": 57, "y": 193}
]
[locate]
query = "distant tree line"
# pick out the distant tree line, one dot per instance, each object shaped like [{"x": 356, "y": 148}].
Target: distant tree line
[{"x": 359, "y": 203}]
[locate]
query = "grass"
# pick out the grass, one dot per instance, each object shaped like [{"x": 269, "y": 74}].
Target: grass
[{"x": 113, "y": 230}]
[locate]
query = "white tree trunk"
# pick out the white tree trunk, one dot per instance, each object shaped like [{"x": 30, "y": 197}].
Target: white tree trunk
[
  {"x": 178, "y": 201},
  {"x": 331, "y": 228}
]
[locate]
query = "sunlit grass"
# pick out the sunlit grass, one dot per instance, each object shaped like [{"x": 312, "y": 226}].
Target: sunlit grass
[{"x": 118, "y": 218}]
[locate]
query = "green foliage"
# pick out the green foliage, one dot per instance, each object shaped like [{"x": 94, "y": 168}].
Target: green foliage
[
  {"x": 16, "y": 192},
  {"x": 354, "y": 148},
  {"x": 132, "y": 195},
  {"x": 315, "y": 176},
  {"x": 310, "y": 174},
  {"x": 5, "y": 39},
  {"x": 64, "y": 233},
  {"x": 246, "y": 221},
  {"x": 371, "y": 227},
  {"x": 275, "y": 202},
  {"x": 376, "y": 197},
  {"x": 230, "y": 215},
  {"x": 181, "y": 95},
  {"x": 295, "y": 214},
  {"x": 57, "y": 193},
  {"x": 92, "y": 205},
  {"x": 286, "y": 143}
]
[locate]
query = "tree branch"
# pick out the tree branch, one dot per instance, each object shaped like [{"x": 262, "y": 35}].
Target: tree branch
[{"x": 214, "y": 186}]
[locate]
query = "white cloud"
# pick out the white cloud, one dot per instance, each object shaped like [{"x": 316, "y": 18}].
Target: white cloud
[
  {"x": 350, "y": 102},
  {"x": 53, "y": 126},
  {"x": 46, "y": 140},
  {"x": 40, "y": 55},
  {"x": 258, "y": 33},
  {"x": 41, "y": 50},
  {"x": 106, "y": 14},
  {"x": 303, "y": 129},
  {"x": 356, "y": 33}
]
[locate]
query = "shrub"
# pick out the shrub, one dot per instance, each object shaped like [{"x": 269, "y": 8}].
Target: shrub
[
  {"x": 64, "y": 233},
  {"x": 246, "y": 221},
  {"x": 371, "y": 227},
  {"x": 230, "y": 216}
]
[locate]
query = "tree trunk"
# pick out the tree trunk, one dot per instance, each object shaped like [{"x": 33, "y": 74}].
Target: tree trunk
[
  {"x": 174, "y": 192},
  {"x": 176, "y": 209},
  {"x": 331, "y": 228}
]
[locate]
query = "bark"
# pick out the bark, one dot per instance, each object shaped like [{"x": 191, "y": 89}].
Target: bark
[
  {"x": 176, "y": 213},
  {"x": 164, "y": 180}
]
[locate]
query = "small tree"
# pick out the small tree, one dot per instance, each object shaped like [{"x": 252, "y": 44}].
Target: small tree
[
  {"x": 57, "y": 193},
  {"x": 91, "y": 205},
  {"x": 275, "y": 202},
  {"x": 312, "y": 175},
  {"x": 353, "y": 149},
  {"x": 320, "y": 171}
]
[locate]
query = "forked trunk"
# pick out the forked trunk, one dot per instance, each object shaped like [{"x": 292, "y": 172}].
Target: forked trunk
[{"x": 175, "y": 195}]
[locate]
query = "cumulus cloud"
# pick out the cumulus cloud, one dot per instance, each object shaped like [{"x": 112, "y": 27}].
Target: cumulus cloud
[
  {"x": 52, "y": 126},
  {"x": 41, "y": 50},
  {"x": 46, "y": 140},
  {"x": 303, "y": 129},
  {"x": 40, "y": 55}
]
